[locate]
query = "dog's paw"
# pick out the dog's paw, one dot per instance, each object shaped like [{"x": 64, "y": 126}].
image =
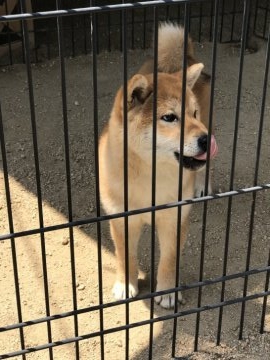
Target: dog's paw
[
  {"x": 119, "y": 290},
  {"x": 168, "y": 301},
  {"x": 200, "y": 185},
  {"x": 198, "y": 193},
  {"x": 199, "y": 190}
]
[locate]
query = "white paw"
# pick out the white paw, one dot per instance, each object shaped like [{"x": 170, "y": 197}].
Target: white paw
[
  {"x": 168, "y": 301},
  {"x": 200, "y": 184},
  {"x": 199, "y": 190},
  {"x": 119, "y": 290}
]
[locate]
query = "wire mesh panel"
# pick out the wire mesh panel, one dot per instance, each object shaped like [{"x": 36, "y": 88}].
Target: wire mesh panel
[{"x": 58, "y": 262}]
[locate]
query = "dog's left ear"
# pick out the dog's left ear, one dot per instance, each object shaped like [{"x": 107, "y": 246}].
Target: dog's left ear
[{"x": 193, "y": 73}]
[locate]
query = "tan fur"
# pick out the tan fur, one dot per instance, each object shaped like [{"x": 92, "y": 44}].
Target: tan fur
[{"x": 139, "y": 167}]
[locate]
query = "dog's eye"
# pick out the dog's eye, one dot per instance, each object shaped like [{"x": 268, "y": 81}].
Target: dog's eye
[
  {"x": 195, "y": 114},
  {"x": 169, "y": 117}
]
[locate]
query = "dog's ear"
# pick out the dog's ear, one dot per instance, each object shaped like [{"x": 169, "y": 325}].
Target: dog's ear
[
  {"x": 138, "y": 89},
  {"x": 193, "y": 73}
]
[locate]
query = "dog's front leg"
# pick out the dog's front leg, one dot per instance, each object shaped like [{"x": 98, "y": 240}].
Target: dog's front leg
[
  {"x": 118, "y": 234},
  {"x": 166, "y": 277},
  {"x": 200, "y": 184}
]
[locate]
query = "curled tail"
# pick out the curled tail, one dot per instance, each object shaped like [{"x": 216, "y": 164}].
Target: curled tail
[{"x": 171, "y": 48}]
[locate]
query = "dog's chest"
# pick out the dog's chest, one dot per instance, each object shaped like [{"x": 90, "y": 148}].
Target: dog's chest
[{"x": 166, "y": 184}]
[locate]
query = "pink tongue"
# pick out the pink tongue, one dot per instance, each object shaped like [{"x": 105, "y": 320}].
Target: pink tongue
[{"x": 213, "y": 150}]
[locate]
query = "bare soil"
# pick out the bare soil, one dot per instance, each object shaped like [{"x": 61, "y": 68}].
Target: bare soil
[{"x": 57, "y": 244}]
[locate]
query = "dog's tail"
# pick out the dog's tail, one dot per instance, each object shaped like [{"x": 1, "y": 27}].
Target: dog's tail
[{"x": 171, "y": 48}]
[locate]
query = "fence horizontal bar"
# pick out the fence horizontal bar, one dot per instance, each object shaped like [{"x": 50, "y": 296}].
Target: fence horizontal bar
[
  {"x": 134, "y": 212},
  {"x": 136, "y": 324},
  {"x": 93, "y": 9},
  {"x": 138, "y": 298}
]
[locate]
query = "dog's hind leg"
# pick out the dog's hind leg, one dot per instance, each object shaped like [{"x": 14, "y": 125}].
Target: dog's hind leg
[{"x": 117, "y": 227}]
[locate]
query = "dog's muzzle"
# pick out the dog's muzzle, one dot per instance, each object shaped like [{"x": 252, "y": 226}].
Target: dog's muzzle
[
  {"x": 190, "y": 163},
  {"x": 199, "y": 160}
]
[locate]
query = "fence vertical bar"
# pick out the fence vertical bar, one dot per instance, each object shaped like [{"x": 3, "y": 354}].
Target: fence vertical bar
[
  {"x": 255, "y": 181},
  {"x": 37, "y": 169},
  {"x": 68, "y": 177},
  {"x": 237, "y": 113},
  {"x": 125, "y": 153},
  {"x": 11, "y": 230},
  {"x": 265, "y": 18},
  {"x": 96, "y": 20},
  {"x": 255, "y": 17},
  {"x": 97, "y": 178},
  {"x": 207, "y": 178},
  {"x": 153, "y": 195},
  {"x": 221, "y": 22},
  {"x": 181, "y": 167},
  {"x": 233, "y": 20}
]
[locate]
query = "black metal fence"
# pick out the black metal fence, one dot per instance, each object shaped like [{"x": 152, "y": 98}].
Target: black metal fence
[
  {"x": 77, "y": 28},
  {"x": 65, "y": 32}
]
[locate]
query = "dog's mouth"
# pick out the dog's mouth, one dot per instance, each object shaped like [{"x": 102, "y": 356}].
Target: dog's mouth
[
  {"x": 190, "y": 163},
  {"x": 197, "y": 161}
]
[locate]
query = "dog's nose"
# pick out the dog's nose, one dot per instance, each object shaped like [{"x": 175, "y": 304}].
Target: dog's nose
[{"x": 202, "y": 142}]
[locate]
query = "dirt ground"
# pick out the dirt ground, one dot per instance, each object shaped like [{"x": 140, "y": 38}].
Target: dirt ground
[{"x": 48, "y": 112}]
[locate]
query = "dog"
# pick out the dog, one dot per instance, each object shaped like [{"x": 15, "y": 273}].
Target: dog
[{"x": 139, "y": 108}]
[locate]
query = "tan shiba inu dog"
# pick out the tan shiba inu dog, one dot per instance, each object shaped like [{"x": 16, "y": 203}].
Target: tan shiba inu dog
[{"x": 139, "y": 162}]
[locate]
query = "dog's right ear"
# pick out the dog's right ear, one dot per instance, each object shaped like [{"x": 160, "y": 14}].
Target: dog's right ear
[{"x": 138, "y": 89}]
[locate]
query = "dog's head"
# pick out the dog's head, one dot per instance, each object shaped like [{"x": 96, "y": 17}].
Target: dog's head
[{"x": 140, "y": 110}]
